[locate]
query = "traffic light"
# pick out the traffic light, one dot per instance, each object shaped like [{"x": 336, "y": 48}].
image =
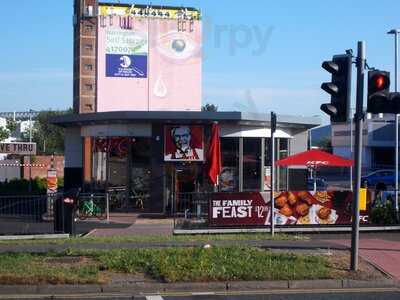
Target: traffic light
[
  {"x": 339, "y": 88},
  {"x": 379, "y": 98},
  {"x": 273, "y": 121}
]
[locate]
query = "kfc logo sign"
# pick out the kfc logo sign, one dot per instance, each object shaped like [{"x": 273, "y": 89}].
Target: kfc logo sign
[{"x": 317, "y": 162}]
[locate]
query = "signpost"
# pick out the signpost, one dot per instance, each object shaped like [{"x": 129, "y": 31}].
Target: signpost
[
  {"x": 358, "y": 145},
  {"x": 18, "y": 148}
]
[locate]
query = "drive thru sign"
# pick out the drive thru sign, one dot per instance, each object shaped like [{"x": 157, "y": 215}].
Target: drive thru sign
[{"x": 18, "y": 148}]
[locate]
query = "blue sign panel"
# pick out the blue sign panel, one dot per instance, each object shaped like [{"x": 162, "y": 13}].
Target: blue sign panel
[{"x": 121, "y": 65}]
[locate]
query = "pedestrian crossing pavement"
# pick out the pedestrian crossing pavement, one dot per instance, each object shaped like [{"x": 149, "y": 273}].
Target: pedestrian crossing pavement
[{"x": 384, "y": 254}]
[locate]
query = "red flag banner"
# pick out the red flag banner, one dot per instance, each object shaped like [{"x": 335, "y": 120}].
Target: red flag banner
[{"x": 214, "y": 155}]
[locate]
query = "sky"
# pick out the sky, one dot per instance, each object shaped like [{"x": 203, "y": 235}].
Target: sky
[{"x": 259, "y": 55}]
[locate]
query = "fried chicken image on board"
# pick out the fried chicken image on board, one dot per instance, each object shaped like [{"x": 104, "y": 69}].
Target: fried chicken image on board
[
  {"x": 324, "y": 213},
  {"x": 302, "y": 209},
  {"x": 286, "y": 211},
  {"x": 280, "y": 201}
]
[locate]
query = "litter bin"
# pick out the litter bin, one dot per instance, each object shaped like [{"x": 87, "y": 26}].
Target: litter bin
[{"x": 64, "y": 212}]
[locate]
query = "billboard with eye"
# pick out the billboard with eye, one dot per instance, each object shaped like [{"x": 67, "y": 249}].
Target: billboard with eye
[{"x": 148, "y": 58}]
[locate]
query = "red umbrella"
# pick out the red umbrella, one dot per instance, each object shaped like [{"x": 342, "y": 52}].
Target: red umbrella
[
  {"x": 214, "y": 155},
  {"x": 315, "y": 158}
]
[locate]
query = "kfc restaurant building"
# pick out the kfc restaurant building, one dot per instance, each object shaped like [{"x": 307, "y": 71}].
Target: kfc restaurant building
[
  {"x": 138, "y": 129},
  {"x": 162, "y": 155}
]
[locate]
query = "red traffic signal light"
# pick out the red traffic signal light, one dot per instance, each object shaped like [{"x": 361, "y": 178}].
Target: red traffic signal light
[
  {"x": 380, "y": 81},
  {"x": 378, "y": 93}
]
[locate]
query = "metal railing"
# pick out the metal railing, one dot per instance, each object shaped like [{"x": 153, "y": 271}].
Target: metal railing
[
  {"x": 190, "y": 210},
  {"x": 31, "y": 207}
]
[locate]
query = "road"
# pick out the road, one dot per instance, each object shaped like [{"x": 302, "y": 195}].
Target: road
[{"x": 342, "y": 294}]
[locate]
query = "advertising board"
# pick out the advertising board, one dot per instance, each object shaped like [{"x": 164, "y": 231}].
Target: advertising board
[
  {"x": 239, "y": 209},
  {"x": 148, "y": 60},
  {"x": 297, "y": 208}
]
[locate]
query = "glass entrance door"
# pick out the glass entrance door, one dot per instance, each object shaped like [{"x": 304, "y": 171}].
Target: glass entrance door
[{"x": 183, "y": 181}]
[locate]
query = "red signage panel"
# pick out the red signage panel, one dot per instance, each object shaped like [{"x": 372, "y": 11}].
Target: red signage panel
[{"x": 239, "y": 209}]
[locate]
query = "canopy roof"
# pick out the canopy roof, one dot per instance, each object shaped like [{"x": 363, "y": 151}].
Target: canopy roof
[{"x": 315, "y": 158}]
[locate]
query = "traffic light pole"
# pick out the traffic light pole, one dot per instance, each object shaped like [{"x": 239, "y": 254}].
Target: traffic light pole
[
  {"x": 358, "y": 117},
  {"x": 273, "y": 127}
]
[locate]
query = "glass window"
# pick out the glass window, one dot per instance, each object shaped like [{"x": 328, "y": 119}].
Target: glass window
[
  {"x": 99, "y": 159},
  {"x": 118, "y": 160},
  {"x": 283, "y": 152},
  {"x": 229, "y": 177},
  {"x": 251, "y": 164},
  {"x": 141, "y": 171}
]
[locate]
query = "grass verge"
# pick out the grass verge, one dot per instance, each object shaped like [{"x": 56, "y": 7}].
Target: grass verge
[
  {"x": 214, "y": 264},
  {"x": 22, "y": 268},
  {"x": 164, "y": 265}
]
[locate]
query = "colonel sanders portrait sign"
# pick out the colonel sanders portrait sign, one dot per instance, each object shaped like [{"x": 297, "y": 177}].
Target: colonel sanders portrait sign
[{"x": 183, "y": 143}]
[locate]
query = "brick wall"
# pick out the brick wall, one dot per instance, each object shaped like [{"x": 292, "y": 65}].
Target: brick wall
[{"x": 42, "y": 171}]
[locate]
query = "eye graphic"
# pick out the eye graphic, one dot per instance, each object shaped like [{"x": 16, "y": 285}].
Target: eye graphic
[{"x": 177, "y": 46}]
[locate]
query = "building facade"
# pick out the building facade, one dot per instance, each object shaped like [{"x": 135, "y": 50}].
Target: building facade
[
  {"x": 138, "y": 128},
  {"x": 138, "y": 152},
  {"x": 378, "y": 150}
]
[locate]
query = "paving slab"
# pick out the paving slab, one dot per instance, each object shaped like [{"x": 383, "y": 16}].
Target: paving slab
[{"x": 384, "y": 254}]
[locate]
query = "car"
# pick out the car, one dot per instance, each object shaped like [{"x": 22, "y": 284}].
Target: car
[
  {"x": 321, "y": 184},
  {"x": 383, "y": 177}
]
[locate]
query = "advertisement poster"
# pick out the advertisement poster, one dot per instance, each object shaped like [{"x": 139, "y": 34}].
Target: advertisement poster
[
  {"x": 126, "y": 53},
  {"x": 183, "y": 143},
  {"x": 239, "y": 209},
  {"x": 148, "y": 63},
  {"x": 297, "y": 208},
  {"x": 228, "y": 179},
  {"x": 175, "y": 65},
  {"x": 315, "y": 208}
]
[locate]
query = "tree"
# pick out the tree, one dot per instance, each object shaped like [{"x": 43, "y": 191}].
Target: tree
[
  {"x": 209, "y": 107},
  {"x": 325, "y": 144},
  {"x": 6, "y": 131},
  {"x": 48, "y": 137}
]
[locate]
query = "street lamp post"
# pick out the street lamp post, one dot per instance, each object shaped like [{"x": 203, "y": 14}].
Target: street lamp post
[
  {"x": 351, "y": 147},
  {"x": 30, "y": 160},
  {"x": 395, "y": 32}
]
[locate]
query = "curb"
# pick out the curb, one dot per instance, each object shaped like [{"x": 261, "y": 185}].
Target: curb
[
  {"x": 319, "y": 229},
  {"x": 199, "y": 287},
  {"x": 34, "y": 236}
]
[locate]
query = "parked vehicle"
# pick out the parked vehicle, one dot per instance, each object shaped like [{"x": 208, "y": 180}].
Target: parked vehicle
[
  {"x": 320, "y": 182},
  {"x": 382, "y": 177}
]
